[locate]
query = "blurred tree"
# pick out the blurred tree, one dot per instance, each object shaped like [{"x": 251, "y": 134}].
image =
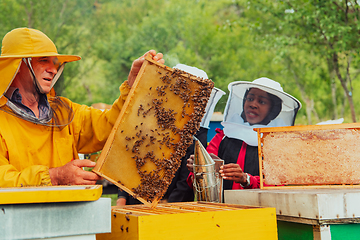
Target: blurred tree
[
  {"x": 207, "y": 35},
  {"x": 65, "y": 22},
  {"x": 306, "y": 45},
  {"x": 327, "y": 29}
]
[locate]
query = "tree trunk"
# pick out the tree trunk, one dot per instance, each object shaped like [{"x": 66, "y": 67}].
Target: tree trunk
[
  {"x": 344, "y": 86},
  {"x": 333, "y": 97}
]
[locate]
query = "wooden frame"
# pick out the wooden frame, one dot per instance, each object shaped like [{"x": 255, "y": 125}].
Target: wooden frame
[
  {"x": 162, "y": 112},
  {"x": 317, "y": 162}
]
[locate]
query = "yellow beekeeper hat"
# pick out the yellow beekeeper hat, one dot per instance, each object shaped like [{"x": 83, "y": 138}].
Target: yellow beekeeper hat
[{"x": 22, "y": 43}]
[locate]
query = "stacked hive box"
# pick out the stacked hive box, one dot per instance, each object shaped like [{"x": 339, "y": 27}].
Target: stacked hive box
[
  {"x": 155, "y": 127},
  {"x": 193, "y": 220},
  {"x": 310, "y": 174}
]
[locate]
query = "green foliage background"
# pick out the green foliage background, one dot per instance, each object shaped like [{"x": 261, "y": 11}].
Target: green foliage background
[{"x": 309, "y": 46}]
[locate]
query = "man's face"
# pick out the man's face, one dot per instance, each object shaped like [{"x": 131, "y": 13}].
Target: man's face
[
  {"x": 257, "y": 106},
  {"x": 45, "y": 69}
]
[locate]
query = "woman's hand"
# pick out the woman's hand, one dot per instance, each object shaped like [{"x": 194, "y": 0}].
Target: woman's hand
[
  {"x": 190, "y": 163},
  {"x": 234, "y": 173},
  {"x": 136, "y": 65}
]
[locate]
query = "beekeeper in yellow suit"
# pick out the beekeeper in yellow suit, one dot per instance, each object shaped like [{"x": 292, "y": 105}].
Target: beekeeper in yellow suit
[{"x": 41, "y": 134}]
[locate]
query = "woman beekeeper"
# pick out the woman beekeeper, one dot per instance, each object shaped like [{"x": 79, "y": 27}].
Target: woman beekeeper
[{"x": 257, "y": 104}]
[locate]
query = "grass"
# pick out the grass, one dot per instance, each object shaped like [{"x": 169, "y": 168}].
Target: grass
[{"x": 113, "y": 198}]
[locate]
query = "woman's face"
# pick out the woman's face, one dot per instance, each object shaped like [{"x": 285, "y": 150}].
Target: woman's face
[{"x": 257, "y": 106}]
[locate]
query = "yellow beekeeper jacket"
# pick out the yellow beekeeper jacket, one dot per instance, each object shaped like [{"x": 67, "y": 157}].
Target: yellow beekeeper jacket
[{"x": 28, "y": 150}]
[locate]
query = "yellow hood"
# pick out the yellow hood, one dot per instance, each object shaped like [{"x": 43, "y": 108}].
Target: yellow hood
[{"x": 23, "y": 43}]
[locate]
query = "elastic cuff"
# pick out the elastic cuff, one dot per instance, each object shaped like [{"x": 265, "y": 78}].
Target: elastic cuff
[
  {"x": 125, "y": 88},
  {"x": 46, "y": 180}
]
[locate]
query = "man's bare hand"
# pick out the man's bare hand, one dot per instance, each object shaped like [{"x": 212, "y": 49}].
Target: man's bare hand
[
  {"x": 73, "y": 174},
  {"x": 136, "y": 65}
]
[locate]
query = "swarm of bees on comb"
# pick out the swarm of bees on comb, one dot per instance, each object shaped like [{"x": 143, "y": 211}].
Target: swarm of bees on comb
[{"x": 155, "y": 127}]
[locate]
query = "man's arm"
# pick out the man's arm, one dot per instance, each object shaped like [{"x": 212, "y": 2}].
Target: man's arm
[{"x": 101, "y": 123}]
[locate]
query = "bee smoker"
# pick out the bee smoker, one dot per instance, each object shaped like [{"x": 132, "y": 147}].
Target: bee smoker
[{"x": 207, "y": 180}]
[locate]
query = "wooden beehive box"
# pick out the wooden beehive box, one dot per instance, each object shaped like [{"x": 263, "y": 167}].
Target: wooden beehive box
[
  {"x": 155, "y": 127},
  {"x": 309, "y": 156},
  {"x": 192, "y": 220}
]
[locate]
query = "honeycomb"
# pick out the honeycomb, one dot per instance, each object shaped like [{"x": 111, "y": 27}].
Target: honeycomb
[
  {"x": 155, "y": 127},
  {"x": 311, "y": 156}
]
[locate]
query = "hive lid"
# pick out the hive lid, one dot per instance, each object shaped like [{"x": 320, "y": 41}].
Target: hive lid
[{"x": 20, "y": 195}]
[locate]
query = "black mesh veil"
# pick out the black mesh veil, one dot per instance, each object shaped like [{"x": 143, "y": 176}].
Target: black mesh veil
[{"x": 60, "y": 113}]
